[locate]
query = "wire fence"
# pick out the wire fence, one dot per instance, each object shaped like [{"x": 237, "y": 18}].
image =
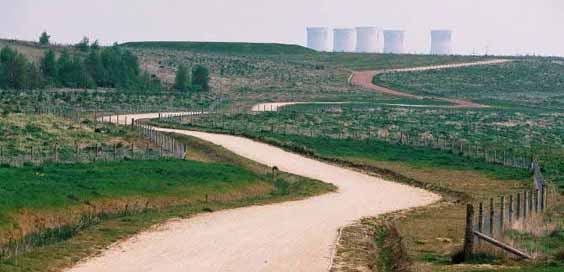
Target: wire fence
[
  {"x": 510, "y": 223},
  {"x": 226, "y": 123}
]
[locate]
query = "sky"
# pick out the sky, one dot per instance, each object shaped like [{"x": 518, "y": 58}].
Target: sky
[{"x": 479, "y": 26}]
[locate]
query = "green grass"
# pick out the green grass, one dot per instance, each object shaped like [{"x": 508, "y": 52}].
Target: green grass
[
  {"x": 355, "y": 61},
  {"x": 53, "y": 186},
  {"x": 528, "y": 83},
  {"x": 519, "y": 132},
  {"x": 90, "y": 206},
  {"x": 224, "y": 47}
]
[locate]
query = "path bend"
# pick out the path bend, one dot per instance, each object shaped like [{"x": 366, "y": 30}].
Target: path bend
[
  {"x": 291, "y": 236},
  {"x": 365, "y": 79}
]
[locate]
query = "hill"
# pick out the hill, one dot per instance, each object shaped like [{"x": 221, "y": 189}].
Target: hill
[{"x": 224, "y": 47}]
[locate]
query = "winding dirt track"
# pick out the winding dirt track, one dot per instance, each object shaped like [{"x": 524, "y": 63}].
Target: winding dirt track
[
  {"x": 364, "y": 79},
  {"x": 290, "y": 236}
]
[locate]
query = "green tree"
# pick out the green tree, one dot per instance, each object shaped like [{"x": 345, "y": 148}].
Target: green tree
[
  {"x": 181, "y": 81},
  {"x": 15, "y": 69},
  {"x": 73, "y": 72},
  {"x": 44, "y": 38},
  {"x": 49, "y": 66},
  {"x": 83, "y": 45},
  {"x": 96, "y": 69},
  {"x": 200, "y": 78},
  {"x": 95, "y": 45}
]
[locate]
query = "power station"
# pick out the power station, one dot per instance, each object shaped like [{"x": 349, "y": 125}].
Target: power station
[
  {"x": 317, "y": 38},
  {"x": 367, "y": 39},
  {"x": 394, "y": 41},
  {"x": 344, "y": 40},
  {"x": 441, "y": 42}
]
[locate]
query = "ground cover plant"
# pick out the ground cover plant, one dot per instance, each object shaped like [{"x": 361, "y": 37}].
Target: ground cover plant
[{"x": 524, "y": 83}]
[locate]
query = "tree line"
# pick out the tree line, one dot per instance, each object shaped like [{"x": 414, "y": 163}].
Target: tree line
[{"x": 89, "y": 66}]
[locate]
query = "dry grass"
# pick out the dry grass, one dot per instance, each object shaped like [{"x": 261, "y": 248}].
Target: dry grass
[{"x": 431, "y": 234}]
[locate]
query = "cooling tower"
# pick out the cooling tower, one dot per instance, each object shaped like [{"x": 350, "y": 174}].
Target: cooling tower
[
  {"x": 393, "y": 41},
  {"x": 344, "y": 40},
  {"x": 367, "y": 39},
  {"x": 317, "y": 38},
  {"x": 441, "y": 42}
]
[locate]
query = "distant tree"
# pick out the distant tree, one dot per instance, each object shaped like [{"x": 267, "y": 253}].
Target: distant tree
[
  {"x": 200, "y": 78},
  {"x": 181, "y": 81},
  {"x": 96, "y": 69},
  {"x": 44, "y": 38},
  {"x": 95, "y": 45},
  {"x": 73, "y": 72},
  {"x": 49, "y": 66},
  {"x": 15, "y": 69},
  {"x": 83, "y": 45}
]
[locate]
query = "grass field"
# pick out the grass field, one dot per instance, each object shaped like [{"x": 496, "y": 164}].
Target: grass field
[
  {"x": 129, "y": 197},
  {"x": 524, "y": 83},
  {"x": 519, "y": 133}
]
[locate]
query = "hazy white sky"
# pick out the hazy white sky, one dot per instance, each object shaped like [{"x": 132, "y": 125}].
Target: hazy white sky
[{"x": 503, "y": 26}]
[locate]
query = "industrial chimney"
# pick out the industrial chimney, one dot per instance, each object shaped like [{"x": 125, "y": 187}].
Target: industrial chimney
[
  {"x": 317, "y": 38},
  {"x": 393, "y": 41},
  {"x": 344, "y": 40},
  {"x": 367, "y": 39},
  {"x": 441, "y": 42}
]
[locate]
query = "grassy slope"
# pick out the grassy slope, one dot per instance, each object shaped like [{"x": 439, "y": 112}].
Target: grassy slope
[
  {"x": 224, "y": 47},
  {"x": 529, "y": 83}
]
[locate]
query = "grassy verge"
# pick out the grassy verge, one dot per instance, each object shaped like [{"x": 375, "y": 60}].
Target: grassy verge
[{"x": 212, "y": 179}]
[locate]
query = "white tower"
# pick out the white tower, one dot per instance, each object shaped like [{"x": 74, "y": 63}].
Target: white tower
[
  {"x": 317, "y": 38},
  {"x": 441, "y": 42},
  {"x": 393, "y": 41},
  {"x": 367, "y": 39},
  {"x": 344, "y": 40}
]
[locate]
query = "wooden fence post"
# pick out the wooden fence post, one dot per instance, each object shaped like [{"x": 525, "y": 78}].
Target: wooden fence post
[
  {"x": 510, "y": 217},
  {"x": 502, "y": 214},
  {"x": 542, "y": 197},
  {"x": 536, "y": 200},
  {"x": 525, "y": 204},
  {"x": 492, "y": 209},
  {"x": 481, "y": 217},
  {"x": 469, "y": 233},
  {"x": 518, "y": 206},
  {"x": 56, "y": 152}
]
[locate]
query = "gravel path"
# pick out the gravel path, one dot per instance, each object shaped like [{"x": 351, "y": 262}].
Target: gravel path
[
  {"x": 364, "y": 79},
  {"x": 290, "y": 236}
]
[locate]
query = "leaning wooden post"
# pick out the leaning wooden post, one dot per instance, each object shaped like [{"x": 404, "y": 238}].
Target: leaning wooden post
[{"x": 469, "y": 233}]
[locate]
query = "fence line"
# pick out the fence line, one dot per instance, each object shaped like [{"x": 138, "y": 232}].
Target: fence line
[
  {"x": 516, "y": 211},
  {"x": 444, "y": 143}
]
